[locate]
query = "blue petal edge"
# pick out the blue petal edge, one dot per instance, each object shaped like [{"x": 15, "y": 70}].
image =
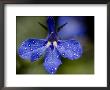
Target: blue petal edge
[
  {"x": 32, "y": 49},
  {"x": 70, "y": 49}
]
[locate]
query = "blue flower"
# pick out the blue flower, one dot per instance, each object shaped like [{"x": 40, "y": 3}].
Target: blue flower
[{"x": 51, "y": 47}]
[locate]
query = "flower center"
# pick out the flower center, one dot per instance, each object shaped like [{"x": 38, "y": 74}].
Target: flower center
[
  {"x": 55, "y": 43},
  {"x": 51, "y": 44},
  {"x": 52, "y": 35}
]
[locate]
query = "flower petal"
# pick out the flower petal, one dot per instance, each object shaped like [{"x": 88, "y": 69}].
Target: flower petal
[
  {"x": 32, "y": 49},
  {"x": 70, "y": 49},
  {"x": 52, "y": 60},
  {"x": 51, "y": 24}
]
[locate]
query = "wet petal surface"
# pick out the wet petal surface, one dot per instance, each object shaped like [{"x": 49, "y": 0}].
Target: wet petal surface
[
  {"x": 70, "y": 49},
  {"x": 52, "y": 60},
  {"x": 32, "y": 49}
]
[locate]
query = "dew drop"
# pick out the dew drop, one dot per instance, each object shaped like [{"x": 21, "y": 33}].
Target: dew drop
[
  {"x": 52, "y": 72},
  {"x": 63, "y": 54},
  {"x": 77, "y": 55},
  {"x": 35, "y": 43},
  {"x": 22, "y": 44}
]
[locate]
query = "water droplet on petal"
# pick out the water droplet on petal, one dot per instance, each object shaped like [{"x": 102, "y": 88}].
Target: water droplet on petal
[
  {"x": 63, "y": 54},
  {"x": 74, "y": 54}
]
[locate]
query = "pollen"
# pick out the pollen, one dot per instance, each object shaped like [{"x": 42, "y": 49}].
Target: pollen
[
  {"x": 48, "y": 44},
  {"x": 55, "y": 43}
]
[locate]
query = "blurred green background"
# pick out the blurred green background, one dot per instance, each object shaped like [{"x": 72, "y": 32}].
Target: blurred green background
[{"x": 28, "y": 27}]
